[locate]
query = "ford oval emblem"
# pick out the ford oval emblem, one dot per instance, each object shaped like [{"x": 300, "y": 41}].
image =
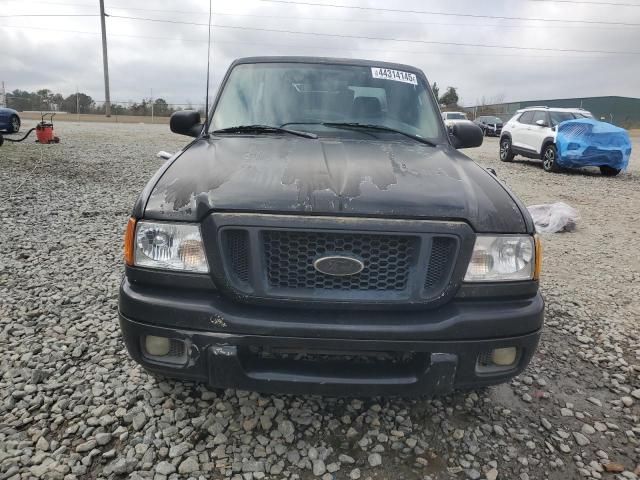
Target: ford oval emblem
[{"x": 338, "y": 265}]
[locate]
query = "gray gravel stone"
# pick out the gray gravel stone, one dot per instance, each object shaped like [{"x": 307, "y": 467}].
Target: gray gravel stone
[
  {"x": 86, "y": 446},
  {"x": 165, "y": 468},
  {"x": 188, "y": 465},
  {"x": 319, "y": 467},
  {"x": 103, "y": 438},
  {"x": 42, "y": 444},
  {"x": 581, "y": 439},
  {"x": 345, "y": 458},
  {"x": 374, "y": 459},
  {"x": 139, "y": 420}
]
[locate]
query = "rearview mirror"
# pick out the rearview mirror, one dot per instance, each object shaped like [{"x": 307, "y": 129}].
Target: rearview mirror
[
  {"x": 186, "y": 122},
  {"x": 541, "y": 123},
  {"x": 466, "y": 135}
]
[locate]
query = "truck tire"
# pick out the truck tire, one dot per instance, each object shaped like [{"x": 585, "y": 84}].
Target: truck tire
[
  {"x": 506, "y": 153},
  {"x": 609, "y": 171},
  {"x": 549, "y": 158},
  {"x": 15, "y": 124}
]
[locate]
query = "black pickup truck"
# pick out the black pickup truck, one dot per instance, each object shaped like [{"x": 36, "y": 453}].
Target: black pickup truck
[{"x": 322, "y": 234}]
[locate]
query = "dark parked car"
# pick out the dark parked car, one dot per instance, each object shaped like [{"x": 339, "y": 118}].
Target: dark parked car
[
  {"x": 491, "y": 126},
  {"x": 323, "y": 234},
  {"x": 9, "y": 120}
]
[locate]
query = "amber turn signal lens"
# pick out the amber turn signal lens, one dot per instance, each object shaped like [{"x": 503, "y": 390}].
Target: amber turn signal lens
[
  {"x": 129, "y": 237},
  {"x": 538, "y": 266}
]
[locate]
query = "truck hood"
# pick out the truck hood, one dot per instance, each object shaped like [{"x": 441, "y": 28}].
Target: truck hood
[{"x": 276, "y": 174}]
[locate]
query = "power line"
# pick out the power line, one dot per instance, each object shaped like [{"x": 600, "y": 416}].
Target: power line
[
  {"x": 449, "y": 14},
  {"x": 50, "y": 15},
  {"x": 590, "y": 3},
  {"x": 355, "y": 20},
  {"x": 202, "y": 12},
  {"x": 324, "y": 47},
  {"x": 401, "y": 22},
  {"x": 347, "y": 20},
  {"x": 363, "y": 37},
  {"x": 91, "y": 5}
]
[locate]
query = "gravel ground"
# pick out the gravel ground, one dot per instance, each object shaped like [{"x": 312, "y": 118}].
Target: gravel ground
[{"x": 73, "y": 405}]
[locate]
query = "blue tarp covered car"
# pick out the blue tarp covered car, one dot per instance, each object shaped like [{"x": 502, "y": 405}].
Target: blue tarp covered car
[{"x": 586, "y": 142}]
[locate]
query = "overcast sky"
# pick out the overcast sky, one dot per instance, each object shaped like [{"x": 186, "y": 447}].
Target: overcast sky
[{"x": 61, "y": 53}]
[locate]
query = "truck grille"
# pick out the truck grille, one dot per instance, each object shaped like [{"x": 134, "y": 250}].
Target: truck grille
[
  {"x": 237, "y": 249},
  {"x": 290, "y": 255},
  {"x": 442, "y": 253},
  {"x": 404, "y": 262}
]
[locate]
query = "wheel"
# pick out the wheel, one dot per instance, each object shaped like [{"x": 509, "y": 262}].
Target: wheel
[
  {"x": 15, "y": 124},
  {"x": 609, "y": 171},
  {"x": 506, "y": 153},
  {"x": 549, "y": 159}
]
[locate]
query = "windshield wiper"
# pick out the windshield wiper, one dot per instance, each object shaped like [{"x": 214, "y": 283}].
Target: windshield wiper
[
  {"x": 367, "y": 126},
  {"x": 264, "y": 129}
]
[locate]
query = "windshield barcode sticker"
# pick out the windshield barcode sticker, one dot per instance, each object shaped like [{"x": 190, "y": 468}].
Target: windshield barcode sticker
[{"x": 396, "y": 75}]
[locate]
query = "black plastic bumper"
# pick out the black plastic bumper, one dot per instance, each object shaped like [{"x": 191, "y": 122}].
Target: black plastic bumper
[{"x": 221, "y": 337}]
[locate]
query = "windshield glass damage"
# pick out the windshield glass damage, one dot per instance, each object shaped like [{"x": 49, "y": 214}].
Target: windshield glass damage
[{"x": 311, "y": 97}]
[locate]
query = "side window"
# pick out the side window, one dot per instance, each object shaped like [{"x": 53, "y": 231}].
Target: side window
[
  {"x": 526, "y": 117},
  {"x": 538, "y": 115}
]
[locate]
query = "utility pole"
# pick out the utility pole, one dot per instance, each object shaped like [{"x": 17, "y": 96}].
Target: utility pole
[
  {"x": 152, "y": 105},
  {"x": 77, "y": 104},
  {"x": 105, "y": 62}
]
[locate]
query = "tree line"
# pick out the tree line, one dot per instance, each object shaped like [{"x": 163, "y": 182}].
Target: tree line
[{"x": 46, "y": 100}]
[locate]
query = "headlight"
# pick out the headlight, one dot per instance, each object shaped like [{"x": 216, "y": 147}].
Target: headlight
[
  {"x": 502, "y": 258},
  {"x": 171, "y": 246}
]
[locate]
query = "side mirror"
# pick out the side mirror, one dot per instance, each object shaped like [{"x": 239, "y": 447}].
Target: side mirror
[
  {"x": 541, "y": 123},
  {"x": 186, "y": 122},
  {"x": 466, "y": 135}
]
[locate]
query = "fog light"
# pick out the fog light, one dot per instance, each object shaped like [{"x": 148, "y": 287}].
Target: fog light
[
  {"x": 504, "y": 357},
  {"x": 157, "y": 346}
]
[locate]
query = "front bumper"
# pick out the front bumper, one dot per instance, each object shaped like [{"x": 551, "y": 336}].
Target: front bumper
[{"x": 221, "y": 337}]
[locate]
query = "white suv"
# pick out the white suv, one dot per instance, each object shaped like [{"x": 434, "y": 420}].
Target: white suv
[
  {"x": 531, "y": 132},
  {"x": 452, "y": 117}
]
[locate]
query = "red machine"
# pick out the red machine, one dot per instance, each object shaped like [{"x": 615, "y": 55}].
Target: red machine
[{"x": 44, "y": 130}]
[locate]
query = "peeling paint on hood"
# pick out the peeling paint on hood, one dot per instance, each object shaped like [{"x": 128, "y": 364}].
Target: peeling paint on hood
[{"x": 282, "y": 174}]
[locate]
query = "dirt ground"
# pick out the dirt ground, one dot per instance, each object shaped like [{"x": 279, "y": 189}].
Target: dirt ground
[
  {"x": 73, "y": 405},
  {"x": 85, "y": 117}
]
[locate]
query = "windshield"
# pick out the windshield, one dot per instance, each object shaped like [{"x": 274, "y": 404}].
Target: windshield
[
  {"x": 303, "y": 96},
  {"x": 559, "y": 117},
  {"x": 492, "y": 120},
  {"x": 456, "y": 116}
]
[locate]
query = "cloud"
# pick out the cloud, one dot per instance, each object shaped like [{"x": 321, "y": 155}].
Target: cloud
[{"x": 171, "y": 58}]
